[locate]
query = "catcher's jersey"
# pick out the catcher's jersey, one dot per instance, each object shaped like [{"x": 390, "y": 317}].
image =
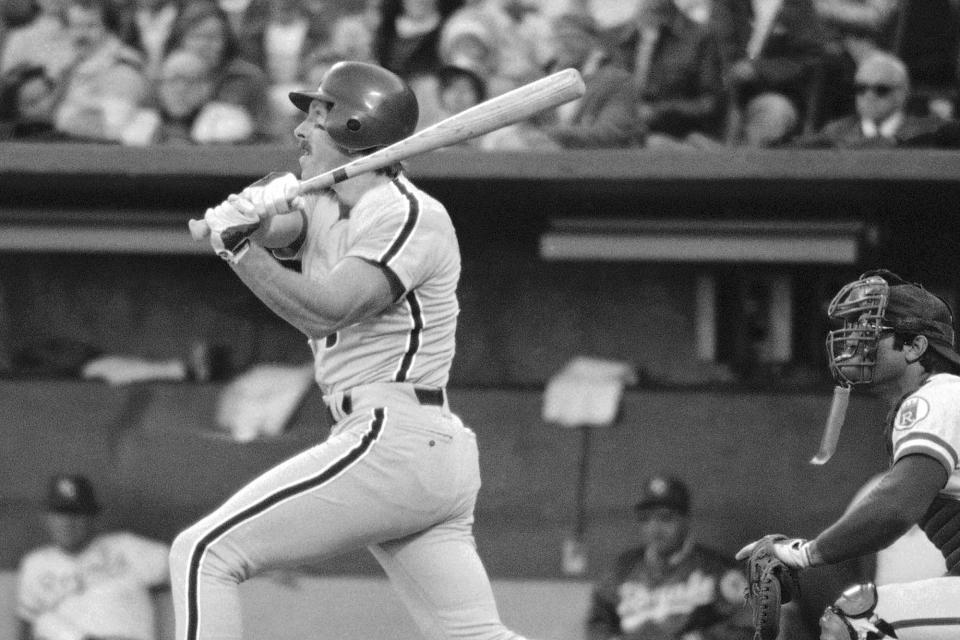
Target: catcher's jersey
[
  {"x": 102, "y": 591},
  {"x": 401, "y": 228},
  {"x": 928, "y": 422}
]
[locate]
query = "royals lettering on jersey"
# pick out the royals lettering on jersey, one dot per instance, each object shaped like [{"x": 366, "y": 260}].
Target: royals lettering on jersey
[
  {"x": 408, "y": 232},
  {"x": 928, "y": 422},
  {"x": 641, "y": 604},
  {"x": 697, "y": 589}
]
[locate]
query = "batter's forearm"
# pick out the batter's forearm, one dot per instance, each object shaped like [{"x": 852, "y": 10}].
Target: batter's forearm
[{"x": 284, "y": 293}]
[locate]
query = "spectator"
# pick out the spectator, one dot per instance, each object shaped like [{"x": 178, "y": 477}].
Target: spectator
[
  {"x": 86, "y": 584},
  {"x": 460, "y": 89},
  {"x": 277, "y": 34},
  {"x": 106, "y": 85},
  {"x": 203, "y": 28},
  {"x": 407, "y": 38},
  {"x": 352, "y": 34},
  {"x": 27, "y": 100},
  {"x": 469, "y": 44},
  {"x": 44, "y": 40},
  {"x": 506, "y": 40},
  {"x": 276, "y": 37},
  {"x": 860, "y": 27},
  {"x": 145, "y": 26},
  {"x": 768, "y": 47},
  {"x": 676, "y": 65},
  {"x": 186, "y": 112},
  {"x": 882, "y": 90},
  {"x": 457, "y": 89},
  {"x": 606, "y": 114},
  {"x": 669, "y": 586},
  {"x": 853, "y": 30}
]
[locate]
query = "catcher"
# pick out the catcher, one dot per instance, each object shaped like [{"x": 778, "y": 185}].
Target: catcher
[{"x": 897, "y": 341}]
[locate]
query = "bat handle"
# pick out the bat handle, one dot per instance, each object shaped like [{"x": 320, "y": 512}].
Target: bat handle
[{"x": 199, "y": 229}]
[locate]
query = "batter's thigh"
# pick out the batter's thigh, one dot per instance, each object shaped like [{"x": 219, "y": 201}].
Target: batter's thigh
[
  {"x": 340, "y": 495},
  {"x": 922, "y": 610},
  {"x": 441, "y": 580}
]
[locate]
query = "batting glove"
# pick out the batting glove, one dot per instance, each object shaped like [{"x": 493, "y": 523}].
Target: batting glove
[
  {"x": 793, "y": 552},
  {"x": 275, "y": 194},
  {"x": 231, "y": 224}
]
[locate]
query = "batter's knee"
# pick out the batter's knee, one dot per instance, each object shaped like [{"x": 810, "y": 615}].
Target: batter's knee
[{"x": 196, "y": 548}]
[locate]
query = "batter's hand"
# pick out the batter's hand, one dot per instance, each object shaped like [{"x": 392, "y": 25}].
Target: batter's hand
[
  {"x": 231, "y": 224},
  {"x": 275, "y": 194},
  {"x": 793, "y": 552}
]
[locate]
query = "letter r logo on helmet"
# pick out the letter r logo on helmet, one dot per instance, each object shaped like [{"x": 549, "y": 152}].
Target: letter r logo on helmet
[{"x": 370, "y": 107}]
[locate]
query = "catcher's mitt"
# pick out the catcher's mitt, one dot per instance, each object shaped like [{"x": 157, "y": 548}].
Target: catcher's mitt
[{"x": 770, "y": 583}]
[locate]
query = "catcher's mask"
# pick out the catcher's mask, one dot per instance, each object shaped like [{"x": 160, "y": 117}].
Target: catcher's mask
[{"x": 881, "y": 302}]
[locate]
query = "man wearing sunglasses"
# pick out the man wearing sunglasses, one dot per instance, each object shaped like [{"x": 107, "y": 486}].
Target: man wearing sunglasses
[
  {"x": 882, "y": 88},
  {"x": 896, "y": 342}
]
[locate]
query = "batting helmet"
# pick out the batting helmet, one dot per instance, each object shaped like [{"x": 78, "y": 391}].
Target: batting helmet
[{"x": 370, "y": 106}]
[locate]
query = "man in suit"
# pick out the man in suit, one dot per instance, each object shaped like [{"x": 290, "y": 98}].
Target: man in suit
[
  {"x": 606, "y": 115},
  {"x": 882, "y": 86},
  {"x": 769, "y": 49}
]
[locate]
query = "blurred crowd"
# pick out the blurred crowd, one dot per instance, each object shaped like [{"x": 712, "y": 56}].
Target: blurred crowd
[{"x": 659, "y": 73}]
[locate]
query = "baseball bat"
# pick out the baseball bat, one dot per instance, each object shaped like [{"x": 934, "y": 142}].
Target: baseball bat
[{"x": 500, "y": 111}]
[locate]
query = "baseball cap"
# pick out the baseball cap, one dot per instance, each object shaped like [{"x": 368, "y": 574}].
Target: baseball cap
[
  {"x": 913, "y": 309},
  {"x": 71, "y": 494},
  {"x": 664, "y": 491}
]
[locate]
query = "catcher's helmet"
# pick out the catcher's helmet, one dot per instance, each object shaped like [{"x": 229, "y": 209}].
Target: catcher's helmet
[{"x": 371, "y": 107}]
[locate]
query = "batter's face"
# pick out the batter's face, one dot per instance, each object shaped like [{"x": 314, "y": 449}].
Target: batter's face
[{"x": 318, "y": 151}]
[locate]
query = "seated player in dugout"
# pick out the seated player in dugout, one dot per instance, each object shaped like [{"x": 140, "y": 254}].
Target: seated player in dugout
[
  {"x": 897, "y": 343},
  {"x": 668, "y": 585},
  {"x": 87, "y": 584}
]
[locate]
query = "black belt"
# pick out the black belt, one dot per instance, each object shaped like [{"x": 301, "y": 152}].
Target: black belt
[{"x": 429, "y": 396}]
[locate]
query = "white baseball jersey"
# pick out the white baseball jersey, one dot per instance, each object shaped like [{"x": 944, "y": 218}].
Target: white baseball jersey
[
  {"x": 101, "y": 591},
  {"x": 399, "y": 473},
  {"x": 405, "y": 230},
  {"x": 928, "y": 422}
]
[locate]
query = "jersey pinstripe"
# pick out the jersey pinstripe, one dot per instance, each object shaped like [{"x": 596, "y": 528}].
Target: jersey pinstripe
[
  {"x": 928, "y": 422},
  {"x": 408, "y": 232}
]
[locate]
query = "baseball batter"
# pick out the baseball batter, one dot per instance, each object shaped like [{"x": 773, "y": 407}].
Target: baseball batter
[
  {"x": 897, "y": 341},
  {"x": 376, "y": 298},
  {"x": 88, "y": 585}
]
